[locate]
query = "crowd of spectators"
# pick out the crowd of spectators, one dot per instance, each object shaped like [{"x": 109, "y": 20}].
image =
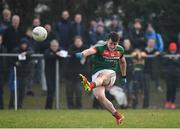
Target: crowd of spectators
[{"x": 72, "y": 35}]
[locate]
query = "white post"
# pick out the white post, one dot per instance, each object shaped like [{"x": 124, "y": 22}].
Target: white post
[
  {"x": 43, "y": 77},
  {"x": 15, "y": 89},
  {"x": 57, "y": 84}
]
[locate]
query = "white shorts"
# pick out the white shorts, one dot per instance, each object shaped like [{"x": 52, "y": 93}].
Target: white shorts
[{"x": 112, "y": 74}]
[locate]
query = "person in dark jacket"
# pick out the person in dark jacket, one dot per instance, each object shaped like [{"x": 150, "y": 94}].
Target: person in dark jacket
[
  {"x": 51, "y": 55},
  {"x": 75, "y": 66},
  {"x": 117, "y": 26},
  {"x": 33, "y": 45},
  {"x": 6, "y": 21},
  {"x": 22, "y": 63},
  {"x": 91, "y": 33},
  {"x": 136, "y": 35},
  {"x": 12, "y": 35},
  {"x": 100, "y": 33},
  {"x": 51, "y": 34},
  {"x": 78, "y": 28},
  {"x": 172, "y": 70},
  {"x": 63, "y": 30}
]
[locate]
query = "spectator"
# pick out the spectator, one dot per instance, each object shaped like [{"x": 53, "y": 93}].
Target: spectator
[
  {"x": 51, "y": 35},
  {"x": 127, "y": 46},
  {"x": 139, "y": 90},
  {"x": 63, "y": 30},
  {"x": 100, "y": 33},
  {"x": 171, "y": 67},
  {"x": 136, "y": 35},
  {"x": 92, "y": 33},
  {"x": 23, "y": 64},
  {"x": 2, "y": 50},
  {"x": 36, "y": 45},
  {"x": 6, "y": 21},
  {"x": 51, "y": 55},
  {"x": 78, "y": 28},
  {"x": 12, "y": 35},
  {"x": 43, "y": 46},
  {"x": 36, "y": 22},
  {"x": 31, "y": 41},
  {"x": 152, "y": 66},
  {"x": 39, "y": 67},
  {"x": 11, "y": 40},
  {"x": 40, "y": 47},
  {"x": 32, "y": 44},
  {"x": 128, "y": 50},
  {"x": 117, "y": 26},
  {"x": 64, "y": 37},
  {"x": 150, "y": 33},
  {"x": 74, "y": 88}
]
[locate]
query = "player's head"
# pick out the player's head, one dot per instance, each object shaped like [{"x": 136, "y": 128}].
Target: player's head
[{"x": 112, "y": 41}]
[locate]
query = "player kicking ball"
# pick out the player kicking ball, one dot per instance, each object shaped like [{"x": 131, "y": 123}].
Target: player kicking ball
[{"x": 108, "y": 55}]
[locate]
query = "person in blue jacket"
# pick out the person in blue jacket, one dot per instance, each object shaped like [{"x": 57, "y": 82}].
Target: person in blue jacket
[{"x": 152, "y": 34}]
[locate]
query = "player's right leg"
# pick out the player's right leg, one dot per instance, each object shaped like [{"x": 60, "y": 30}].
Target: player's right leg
[
  {"x": 86, "y": 84},
  {"x": 100, "y": 78}
]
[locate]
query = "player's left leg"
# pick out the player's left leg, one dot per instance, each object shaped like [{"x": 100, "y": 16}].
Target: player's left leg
[{"x": 99, "y": 93}]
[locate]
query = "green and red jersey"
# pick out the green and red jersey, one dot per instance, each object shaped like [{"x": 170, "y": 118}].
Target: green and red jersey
[{"x": 106, "y": 59}]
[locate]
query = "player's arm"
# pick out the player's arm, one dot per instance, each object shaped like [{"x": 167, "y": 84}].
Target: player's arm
[
  {"x": 123, "y": 66},
  {"x": 89, "y": 52},
  {"x": 86, "y": 53}
]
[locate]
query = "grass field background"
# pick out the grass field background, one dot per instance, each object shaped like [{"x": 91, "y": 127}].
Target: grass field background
[{"x": 88, "y": 119}]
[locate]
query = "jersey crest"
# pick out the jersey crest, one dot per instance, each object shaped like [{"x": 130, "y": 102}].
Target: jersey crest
[{"x": 111, "y": 54}]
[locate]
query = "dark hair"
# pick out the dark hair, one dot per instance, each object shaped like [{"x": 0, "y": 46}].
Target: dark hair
[
  {"x": 137, "y": 20},
  {"x": 114, "y": 37},
  {"x": 77, "y": 37}
]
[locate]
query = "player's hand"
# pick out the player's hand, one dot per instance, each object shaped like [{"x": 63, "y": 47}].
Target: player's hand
[
  {"x": 123, "y": 81},
  {"x": 79, "y": 55}
]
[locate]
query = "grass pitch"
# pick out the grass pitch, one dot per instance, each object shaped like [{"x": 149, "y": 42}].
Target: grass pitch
[{"x": 88, "y": 119}]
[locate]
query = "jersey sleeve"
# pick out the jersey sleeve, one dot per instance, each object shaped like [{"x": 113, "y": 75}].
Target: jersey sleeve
[
  {"x": 99, "y": 47},
  {"x": 121, "y": 50}
]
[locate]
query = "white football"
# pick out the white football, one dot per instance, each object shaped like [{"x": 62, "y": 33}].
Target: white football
[{"x": 39, "y": 33}]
